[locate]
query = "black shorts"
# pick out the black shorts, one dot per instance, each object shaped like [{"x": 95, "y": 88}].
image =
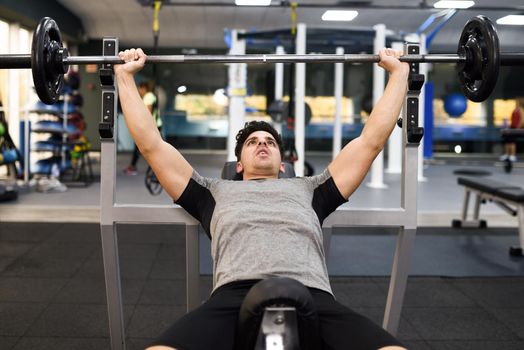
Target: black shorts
[{"x": 213, "y": 324}]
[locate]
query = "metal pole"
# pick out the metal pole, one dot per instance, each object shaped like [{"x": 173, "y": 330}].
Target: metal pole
[
  {"x": 395, "y": 139},
  {"x": 300, "y": 92},
  {"x": 13, "y": 81},
  {"x": 237, "y": 75},
  {"x": 379, "y": 81},
  {"x": 108, "y": 229},
  {"x": 337, "y": 128},
  {"x": 279, "y": 84},
  {"x": 423, "y": 69}
]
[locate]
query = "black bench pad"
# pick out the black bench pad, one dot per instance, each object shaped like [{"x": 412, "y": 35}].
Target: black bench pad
[
  {"x": 516, "y": 195},
  {"x": 496, "y": 188}
]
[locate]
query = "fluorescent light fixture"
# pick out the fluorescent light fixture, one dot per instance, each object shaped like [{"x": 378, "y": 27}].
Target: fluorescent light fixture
[
  {"x": 512, "y": 20},
  {"x": 252, "y": 2},
  {"x": 456, "y": 4},
  {"x": 339, "y": 15},
  {"x": 181, "y": 89}
]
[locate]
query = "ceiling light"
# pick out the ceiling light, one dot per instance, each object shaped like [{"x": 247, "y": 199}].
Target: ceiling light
[
  {"x": 449, "y": 4},
  {"x": 181, "y": 89},
  {"x": 339, "y": 15},
  {"x": 512, "y": 20},
  {"x": 252, "y": 2}
]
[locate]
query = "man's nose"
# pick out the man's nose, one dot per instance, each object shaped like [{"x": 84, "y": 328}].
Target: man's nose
[{"x": 262, "y": 142}]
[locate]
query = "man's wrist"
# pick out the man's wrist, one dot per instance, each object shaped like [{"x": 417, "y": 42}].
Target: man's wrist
[
  {"x": 125, "y": 77},
  {"x": 400, "y": 73}
]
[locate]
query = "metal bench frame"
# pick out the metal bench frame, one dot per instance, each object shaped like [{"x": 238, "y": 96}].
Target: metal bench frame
[{"x": 511, "y": 207}]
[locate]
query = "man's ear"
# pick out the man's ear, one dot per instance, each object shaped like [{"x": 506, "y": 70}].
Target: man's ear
[
  {"x": 282, "y": 167},
  {"x": 239, "y": 168}
]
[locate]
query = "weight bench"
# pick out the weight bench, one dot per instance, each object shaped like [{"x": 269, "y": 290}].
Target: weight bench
[{"x": 508, "y": 197}]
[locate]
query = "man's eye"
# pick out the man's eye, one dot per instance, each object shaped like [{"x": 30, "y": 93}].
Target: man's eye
[
  {"x": 271, "y": 142},
  {"x": 251, "y": 142}
]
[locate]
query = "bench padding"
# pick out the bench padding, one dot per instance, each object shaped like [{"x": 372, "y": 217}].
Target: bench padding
[{"x": 496, "y": 188}]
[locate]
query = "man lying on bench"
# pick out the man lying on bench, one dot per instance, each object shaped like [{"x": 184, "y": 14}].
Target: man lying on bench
[
  {"x": 509, "y": 197},
  {"x": 263, "y": 226}
]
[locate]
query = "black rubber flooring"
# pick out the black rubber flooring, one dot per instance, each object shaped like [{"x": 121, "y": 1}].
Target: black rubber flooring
[{"x": 52, "y": 293}]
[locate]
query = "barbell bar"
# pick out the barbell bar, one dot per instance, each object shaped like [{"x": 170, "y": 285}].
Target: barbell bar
[
  {"x": 478, "y": 59},
  {"x": 24, "y": 61}
]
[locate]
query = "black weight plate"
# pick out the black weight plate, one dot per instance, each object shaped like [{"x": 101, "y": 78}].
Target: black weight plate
[
  {"x": 46, "y": 41},
  {"x": 484, "y": 63}
]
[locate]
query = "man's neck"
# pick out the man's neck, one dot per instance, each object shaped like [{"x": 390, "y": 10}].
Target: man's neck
[{"x": 247, "y": 177}]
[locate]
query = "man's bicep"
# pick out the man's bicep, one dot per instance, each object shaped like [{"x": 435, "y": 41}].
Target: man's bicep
[
  {"x": 171, "y": 168},
  {"x": 351, "y": 165}
]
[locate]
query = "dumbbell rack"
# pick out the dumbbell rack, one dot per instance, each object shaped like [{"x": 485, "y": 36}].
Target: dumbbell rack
[
  {"x": 404, "y": 217},
  {"x": 56, "y": 146},
  {"x": 60, "y": 146}
]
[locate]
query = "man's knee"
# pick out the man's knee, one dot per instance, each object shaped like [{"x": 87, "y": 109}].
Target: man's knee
[{"x": 160, "y": 347}]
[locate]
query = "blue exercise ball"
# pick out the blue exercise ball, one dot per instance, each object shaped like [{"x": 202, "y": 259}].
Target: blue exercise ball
[{"x": 455, "y": 105}]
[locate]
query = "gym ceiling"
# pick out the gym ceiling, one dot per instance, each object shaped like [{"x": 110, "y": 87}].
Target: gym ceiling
[{"x": 201, "y": 23}]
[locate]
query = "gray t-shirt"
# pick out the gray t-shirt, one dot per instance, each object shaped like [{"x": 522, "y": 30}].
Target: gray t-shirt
[{"x": 265, "y": 228}]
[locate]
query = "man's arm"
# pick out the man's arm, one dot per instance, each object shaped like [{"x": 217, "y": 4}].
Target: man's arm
[
  {"x": 351, "y": 165},
  {"x": 170, "y": 167}
]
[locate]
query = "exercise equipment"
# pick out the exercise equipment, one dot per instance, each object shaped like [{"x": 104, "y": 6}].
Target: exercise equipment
[
  {"x": 478, "y": 59},
  {"x": 278, "y": 313},
  {"x": 455, "y": 105},
  {"x": 508, "y": 197},
  {"x": 152, "y": 184},
  {"x": 8, "y": 156},
  {"x": 7, "y": 192}
]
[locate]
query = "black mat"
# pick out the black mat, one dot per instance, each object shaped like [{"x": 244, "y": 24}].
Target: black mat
[{"x": 52, "y": 292}]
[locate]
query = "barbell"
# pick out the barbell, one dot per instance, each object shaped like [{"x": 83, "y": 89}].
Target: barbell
[{"x": 478, "y": 59}]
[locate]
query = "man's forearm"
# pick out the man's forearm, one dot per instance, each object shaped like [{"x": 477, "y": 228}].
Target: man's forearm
[
  {"x": 385, "y": 113},
  {"x": 138, "y": 118}
]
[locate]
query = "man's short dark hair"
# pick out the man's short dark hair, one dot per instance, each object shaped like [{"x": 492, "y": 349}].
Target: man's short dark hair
[{"x": 251, "y": 127}]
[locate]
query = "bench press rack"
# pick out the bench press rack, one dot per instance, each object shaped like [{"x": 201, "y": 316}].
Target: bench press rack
[{"x": 112, "y": 213}]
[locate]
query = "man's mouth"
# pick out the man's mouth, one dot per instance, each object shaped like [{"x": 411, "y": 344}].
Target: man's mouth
[{"x": 262, "y": 152}]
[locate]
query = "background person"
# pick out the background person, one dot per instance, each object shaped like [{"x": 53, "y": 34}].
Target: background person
[
  {"x": 517, "y": 122},
  {"x": 150, "y": 100}
]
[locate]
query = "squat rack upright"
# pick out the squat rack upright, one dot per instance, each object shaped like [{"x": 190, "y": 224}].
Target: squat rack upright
[{"x": 112, "y": 213}]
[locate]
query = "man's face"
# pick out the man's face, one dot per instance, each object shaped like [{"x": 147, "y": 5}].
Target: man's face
[{"x": 260, "y": 156}]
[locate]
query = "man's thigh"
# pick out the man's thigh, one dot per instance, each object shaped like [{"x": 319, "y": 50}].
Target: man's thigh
[
  {"x": 341, "y": 328},
  {"x": 210, "y": 326}
]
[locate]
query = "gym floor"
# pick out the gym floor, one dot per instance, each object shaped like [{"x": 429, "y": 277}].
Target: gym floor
[{"x": 464, "y": 292}]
